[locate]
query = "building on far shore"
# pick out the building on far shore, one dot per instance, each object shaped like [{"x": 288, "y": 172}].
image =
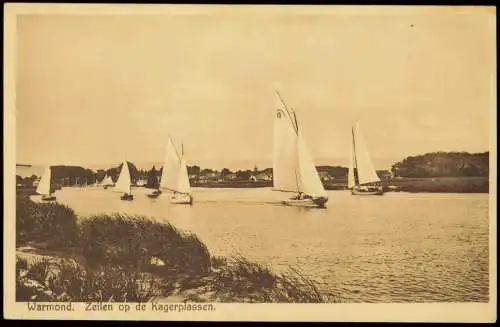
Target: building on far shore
[
  {"x": 230, "y": 177},
  {"x": 261, "y": 177},
  {"x": 324, "y": 176}
]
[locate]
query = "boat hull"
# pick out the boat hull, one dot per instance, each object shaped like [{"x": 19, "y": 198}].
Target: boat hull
[
  {"x": 367, "y": 191},
  {"x": 181, "y": 199},
  {"x": 127, "y": 197},
  {"x": 48, "y": 198},
  {"x": 154, "y": 195},
  {"x": 311, "y": 202}
]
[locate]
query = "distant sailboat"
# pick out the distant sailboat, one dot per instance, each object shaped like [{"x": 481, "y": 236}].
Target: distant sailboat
[
  {"x": 157, "y": 192},
  {"x": 362, "y": 178},
  {"x": 45, "y": 187},
  {"x": 175, "y": 177},
  {"x": 107, "y": 181},
  {"x": 124, "y": 183},
  {"x": 293, "y": 169}
]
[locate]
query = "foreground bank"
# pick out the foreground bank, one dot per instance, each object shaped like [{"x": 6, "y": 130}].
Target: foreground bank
[{"x": 62, "y": 257}]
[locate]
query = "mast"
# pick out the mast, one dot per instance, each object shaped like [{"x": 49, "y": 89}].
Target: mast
[{"x": 355, "y": 157}]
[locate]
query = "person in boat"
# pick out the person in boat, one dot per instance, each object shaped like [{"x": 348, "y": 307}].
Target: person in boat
[{"x": 301, "y": 196}]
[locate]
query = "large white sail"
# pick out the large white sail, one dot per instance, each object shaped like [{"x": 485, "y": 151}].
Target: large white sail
[
  {"x": 183, "y": 185},
  {"x": 350, "y": 174},
  {"x": 123, "y": 182},
  {"x": 364, "y": 165},
  {"x": 43, "y": 187},
  {"x": 309, "y": 181},
  {"x": 171, "y": 168},
  {"x": 285, "y": 149}
]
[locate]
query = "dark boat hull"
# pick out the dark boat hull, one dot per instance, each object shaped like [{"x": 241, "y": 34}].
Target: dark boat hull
[
  {"x": 48, "y": 198},
  {"x": 319, "y": 202},
  {"x": 127, "y": 197},
  {"x": 154, "y": 195},
  {"x": 372, "y": 190}
]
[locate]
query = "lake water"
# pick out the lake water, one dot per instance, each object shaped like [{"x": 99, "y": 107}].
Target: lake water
[{"x": 399, "y": 247}]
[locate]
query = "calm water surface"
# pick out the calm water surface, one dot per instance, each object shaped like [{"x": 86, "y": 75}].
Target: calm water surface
[{"x": 399, "y": 247}]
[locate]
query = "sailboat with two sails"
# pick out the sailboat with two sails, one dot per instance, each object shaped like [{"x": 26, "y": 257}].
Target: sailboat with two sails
[
  {"x": 174, "y": 177},
  {"x": 362, "y": 178},
  {"x": 124, "y": 183},
  {"x": 293, "y": 168},
  {"x": 46, "y": 186}
]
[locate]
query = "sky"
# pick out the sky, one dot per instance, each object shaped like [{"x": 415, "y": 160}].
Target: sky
[{"x": 98, "y": 89}]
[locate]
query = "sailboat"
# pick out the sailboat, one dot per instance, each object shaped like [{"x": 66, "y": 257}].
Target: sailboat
[
  {"x": 45, "y": 187},
  {"x": 124, "y": 183},
  {"x": 362, "y": 178},
  {"x": 107, "y": 181},
  {"x": 157, "y": 192},
  {"x": 293, "y": 169},
  {"x": 174, "y": 175}
]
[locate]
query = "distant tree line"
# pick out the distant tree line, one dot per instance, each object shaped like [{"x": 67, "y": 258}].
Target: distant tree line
[
  {"x": 435, "y": 164},
  {"x": 443, "y": 164}
]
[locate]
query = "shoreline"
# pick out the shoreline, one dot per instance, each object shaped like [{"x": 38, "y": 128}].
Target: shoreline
[{"x": 408, "y": 185}]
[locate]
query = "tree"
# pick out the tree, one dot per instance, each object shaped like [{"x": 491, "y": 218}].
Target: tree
[
  {"x": 193, "y": 170},
  {"x": 206, "y": 171},
  {"x": 443, "y": 164},
  {"x": 224, "y": 172},
  {"x": 243, "y": 175}
]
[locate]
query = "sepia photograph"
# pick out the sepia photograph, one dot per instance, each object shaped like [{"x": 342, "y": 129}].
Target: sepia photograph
[{"x": 181, "y": 162}]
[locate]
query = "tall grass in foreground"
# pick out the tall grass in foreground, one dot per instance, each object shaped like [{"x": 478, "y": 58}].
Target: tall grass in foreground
[
  {"x": 66, "y": 280},
  {"x": 132, "y": 241},
  {"x": 53, "y": 224},
  {"x": 118, "y": 252},
  {"x": 240, "y": 280}
]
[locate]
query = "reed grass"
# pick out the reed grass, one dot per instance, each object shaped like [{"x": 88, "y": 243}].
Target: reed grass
[
  {"x": 241, "y": 280},
  {"x": 132, "y": 241},
  {"x": 53, "y": 224},
  {"x": 67, "y": 280}
]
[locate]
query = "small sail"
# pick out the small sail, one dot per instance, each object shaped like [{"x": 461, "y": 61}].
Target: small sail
[
  {"x": 44, "y": 186},
  {"x": 171, "y": 168},
  {"x": 350, "y": 173},
  {"x": 123, "y": 182},
  {"x": 364, "y": 165},
  {"x": 285, "y": 149},
  {"x": 310, "y": 182},
  {"x": 183, "y": 185},
  {"x": 107, "y": 180}
]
